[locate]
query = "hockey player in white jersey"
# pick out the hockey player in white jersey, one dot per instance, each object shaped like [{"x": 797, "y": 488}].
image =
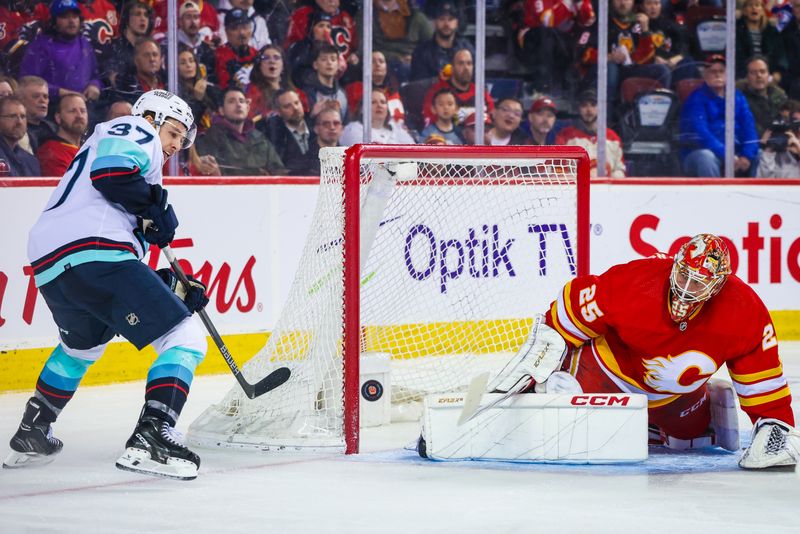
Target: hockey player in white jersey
[{"x": 85, "y": 250}]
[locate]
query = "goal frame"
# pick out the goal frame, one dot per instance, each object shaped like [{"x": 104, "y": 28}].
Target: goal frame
[{"x": 351, "y": 276}]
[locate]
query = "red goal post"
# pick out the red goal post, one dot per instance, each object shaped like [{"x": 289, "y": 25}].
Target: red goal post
[{"x": 352, "y": 171}]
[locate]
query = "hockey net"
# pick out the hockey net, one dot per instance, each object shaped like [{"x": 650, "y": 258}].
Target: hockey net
[{"x": 436, "y": 256}]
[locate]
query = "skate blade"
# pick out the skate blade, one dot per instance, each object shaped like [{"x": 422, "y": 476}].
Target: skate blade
[
  {"x": 15, "y": 459},
  {"x": 138, "y": 461}
]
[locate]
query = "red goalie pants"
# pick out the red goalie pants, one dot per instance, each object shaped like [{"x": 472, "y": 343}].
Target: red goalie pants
[{"x": 686, "y": 417}]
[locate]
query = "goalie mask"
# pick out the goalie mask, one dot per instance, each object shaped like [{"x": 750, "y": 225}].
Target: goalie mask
[
  {"x": 699, "y": 271},
  {"x": 164, "y": 105}
]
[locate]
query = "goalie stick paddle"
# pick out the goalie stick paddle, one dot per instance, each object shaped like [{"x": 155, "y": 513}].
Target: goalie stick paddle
[
  {"x": 472, "y": 400},
  {"x": 273, "y": 380},
  {"x": 476, "y": 409}
]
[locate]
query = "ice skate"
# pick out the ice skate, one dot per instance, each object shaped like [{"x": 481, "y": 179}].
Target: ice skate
[
  {"x": 33, "y": 443},
  {"x": 155, "y": 448}
]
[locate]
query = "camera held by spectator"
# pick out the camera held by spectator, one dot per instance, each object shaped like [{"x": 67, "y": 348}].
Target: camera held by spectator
[{"x": 776, "y": 138}]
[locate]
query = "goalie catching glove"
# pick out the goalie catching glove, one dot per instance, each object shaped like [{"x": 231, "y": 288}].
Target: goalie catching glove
[
  {"x": 774, "y": 444},
  {"x": 194, "y": 296},
  {"x": 537, "y": 358}
]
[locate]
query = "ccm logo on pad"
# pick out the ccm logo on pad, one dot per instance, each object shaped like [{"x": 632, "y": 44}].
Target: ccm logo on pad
[{"x": 599, "y": 400}]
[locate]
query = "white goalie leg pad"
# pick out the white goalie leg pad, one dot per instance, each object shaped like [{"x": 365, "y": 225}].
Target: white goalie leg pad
[
  {"x": 774, "y": 444},
  {"x": 540, "y": 355},
  {"x": 566, "y": 428},
  {"x": 724, "y": 414}
]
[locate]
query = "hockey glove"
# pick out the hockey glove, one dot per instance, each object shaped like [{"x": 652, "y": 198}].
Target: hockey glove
[
  {"x": 159, "y": 222},
  {"x": 194, "y": 297},
  {"x": 774, "y": 444}
]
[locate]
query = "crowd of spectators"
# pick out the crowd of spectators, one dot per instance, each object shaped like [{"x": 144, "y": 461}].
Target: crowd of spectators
[{"x": 271, "y": 82}]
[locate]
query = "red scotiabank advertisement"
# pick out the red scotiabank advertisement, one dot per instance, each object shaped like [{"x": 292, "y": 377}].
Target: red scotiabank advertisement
[{"x": 245, "y": 239}]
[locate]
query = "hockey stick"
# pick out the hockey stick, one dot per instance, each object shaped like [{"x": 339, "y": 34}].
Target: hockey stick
[
  {"x": 276, "y": 378},
  {"x": 473, "y": 408}
]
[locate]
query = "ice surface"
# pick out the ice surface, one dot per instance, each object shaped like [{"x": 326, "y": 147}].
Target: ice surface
[{"x": 386, "y": 489}]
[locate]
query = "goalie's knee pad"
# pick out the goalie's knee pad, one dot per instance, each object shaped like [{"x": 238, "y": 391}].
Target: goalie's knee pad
[
  {"x": 724, "y": 414},
  {"x": 187, "y": 334}
]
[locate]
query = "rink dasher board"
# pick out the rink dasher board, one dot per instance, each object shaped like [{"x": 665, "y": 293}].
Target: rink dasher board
[{"x": 579, "y": 429}]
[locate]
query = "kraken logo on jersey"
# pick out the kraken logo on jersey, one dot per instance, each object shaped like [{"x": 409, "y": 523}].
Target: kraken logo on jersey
[
  {"x": 132, "y": 319},
  {"x": 679, "y": 374}
]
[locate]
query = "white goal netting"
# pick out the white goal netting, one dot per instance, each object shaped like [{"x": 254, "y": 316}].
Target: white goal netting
[{"x": 459, "y": 250}]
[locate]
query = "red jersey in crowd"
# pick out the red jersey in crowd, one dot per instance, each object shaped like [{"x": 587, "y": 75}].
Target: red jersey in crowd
[
  {"x": 343, "y": 30},
  {"x": 209, "y": 17},
  {"x": 464, "y": 99},
  {"x": 55, "y": 155},
  {"x": 233, "y": 67},
  {"x": 575, "y": 136},
  {"x": 623, "y": 317}
]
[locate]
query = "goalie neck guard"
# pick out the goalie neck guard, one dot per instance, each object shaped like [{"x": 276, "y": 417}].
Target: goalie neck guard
[
  {"x": 164, "y": 105},
  {"x": 699, "y": 271}
]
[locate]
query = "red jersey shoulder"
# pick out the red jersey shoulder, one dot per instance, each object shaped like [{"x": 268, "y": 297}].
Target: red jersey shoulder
[{"x": 740, "y": 311}]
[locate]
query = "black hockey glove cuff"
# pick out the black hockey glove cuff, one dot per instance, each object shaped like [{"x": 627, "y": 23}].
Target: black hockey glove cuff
[
  {"x": 194, "y": 296},
  {"x": 158, "y": 223}
]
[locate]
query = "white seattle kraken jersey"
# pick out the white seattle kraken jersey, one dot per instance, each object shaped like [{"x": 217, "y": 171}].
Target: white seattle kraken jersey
[{"x": 79, "y": 224}]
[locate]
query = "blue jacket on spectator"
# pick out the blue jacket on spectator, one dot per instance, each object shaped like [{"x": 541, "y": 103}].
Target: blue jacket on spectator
[
  {"x": 19, "y": 162},
  {"x": 64, "y": 64},
  {"x": 703, "y": 125}
]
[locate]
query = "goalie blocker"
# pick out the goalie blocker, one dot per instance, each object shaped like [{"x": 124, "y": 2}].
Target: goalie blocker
[{"x": 563, "y": 428}]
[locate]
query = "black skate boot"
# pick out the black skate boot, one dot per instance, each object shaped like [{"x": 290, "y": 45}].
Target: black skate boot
[
  {"x": 155, "y": 448},
  {"x": 33, "y": 443}
]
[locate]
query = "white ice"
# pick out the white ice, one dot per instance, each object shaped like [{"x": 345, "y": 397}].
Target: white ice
[{"x": 385, "y": 489}]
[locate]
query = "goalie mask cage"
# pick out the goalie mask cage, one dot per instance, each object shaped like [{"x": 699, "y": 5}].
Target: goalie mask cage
[{"x": 437, "y": 256}]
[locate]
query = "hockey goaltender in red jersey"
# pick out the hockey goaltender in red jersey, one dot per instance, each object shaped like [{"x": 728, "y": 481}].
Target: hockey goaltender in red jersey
[{"x": 662, "y": 327}]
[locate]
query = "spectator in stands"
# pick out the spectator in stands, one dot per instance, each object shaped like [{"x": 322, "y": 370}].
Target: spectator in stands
[
  {"x": 238, "y": 148},
  {"x": 507, "y": 117},
  {"x": 764, "y": 98},
  {"x": 260, "y": 37},
  {"x": 756, "y": 36},
  {"x": 136, "y": 23},
  {"x": 195, "y": 89},
  {"x": 382, "y": 130},
  {"x": 21, "y": 20},
  {"x": 289, "y": 132},
  {"x": 327, "y": 130},
  {"x": 445, "y": 110},
  {"x": 14, "y": 161},
  {"x": 100, "y": 23},
  {"x": 235, "y": 59},
  {"x": 542, "y": 42},
  {"x": 191, "y": 36},
  {"x": 631, "y": 51},
  {"x": 382, "y": 80},
  {"x": 209, "y": 18},
  {"x": 542, "y": 118},
  {"x": 343, "y": 28},
  {"x": 56, "y": 153},
  {"x": 791, "y": 46},
  {"x": 147, "y": 76},
  {"x": 301, "y": 53},
  {"x": 468, "y": 129},
  {"x": 460, "y": 82},
  {"x": 780, "y": 154},
  {"x": 397, "y": 28},
  {"x": 430, "y": 57},
  {"x": 62, "y": 56},
  {"x": 118, "y": 108},
  {"x": 8, "y": 86},
  {"x": 35, "y": 96},
  {"x": 702, "y": 127},
  {"x": 583, "y": 133},
  {"x": 671, "y": 42},
  {"x": 270, "y": 74},
  {"x": 324, "y": 85}
]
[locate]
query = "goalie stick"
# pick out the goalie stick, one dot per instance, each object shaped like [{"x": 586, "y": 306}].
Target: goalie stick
[
  {"x": 472, "y": 400},
  {"x": 273, "y": 380}
]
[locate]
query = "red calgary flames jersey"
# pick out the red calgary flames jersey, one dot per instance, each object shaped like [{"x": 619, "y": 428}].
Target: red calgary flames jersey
[{"x": 623, "y": 315}]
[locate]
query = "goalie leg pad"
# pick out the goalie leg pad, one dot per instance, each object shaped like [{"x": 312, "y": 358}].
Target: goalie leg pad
[{"x": 724, "y": 415}]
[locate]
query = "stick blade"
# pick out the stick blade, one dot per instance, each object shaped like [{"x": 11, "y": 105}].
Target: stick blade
[
  {"x": 472, "y": 400},
  {"x": 276, "y": 378}
]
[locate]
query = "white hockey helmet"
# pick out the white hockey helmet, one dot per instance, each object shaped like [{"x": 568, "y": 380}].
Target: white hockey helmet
[{"x": 165, "y": 105}]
